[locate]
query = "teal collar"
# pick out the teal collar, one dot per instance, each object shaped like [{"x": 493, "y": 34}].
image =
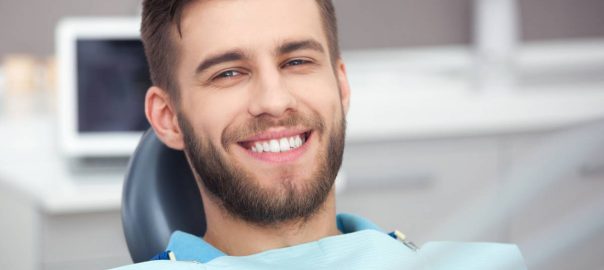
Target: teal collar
[{"x": 188, "y": 247}]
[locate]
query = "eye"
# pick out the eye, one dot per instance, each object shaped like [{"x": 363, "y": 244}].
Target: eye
[
  {"x": 296, "y": 62},
  {"x": 227, "y": 74}
]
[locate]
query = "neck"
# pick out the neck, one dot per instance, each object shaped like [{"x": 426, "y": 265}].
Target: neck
[{"x": 236, "y": 237}]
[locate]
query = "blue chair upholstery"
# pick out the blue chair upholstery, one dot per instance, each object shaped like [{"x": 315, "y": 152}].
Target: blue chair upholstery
[{"x": 160, "y": 196}]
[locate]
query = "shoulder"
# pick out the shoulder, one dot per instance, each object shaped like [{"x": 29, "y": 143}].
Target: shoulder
[{"x": 168, "y": 265}]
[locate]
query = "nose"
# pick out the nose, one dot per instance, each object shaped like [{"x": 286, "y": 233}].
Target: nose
[{"x": 271, "y": 95}]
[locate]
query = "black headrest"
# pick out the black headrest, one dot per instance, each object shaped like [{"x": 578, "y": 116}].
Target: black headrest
[{"x": 160, "y": 196}]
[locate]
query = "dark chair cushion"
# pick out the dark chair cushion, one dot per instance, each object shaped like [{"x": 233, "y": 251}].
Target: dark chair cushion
[{"x": 160, "y": 196}]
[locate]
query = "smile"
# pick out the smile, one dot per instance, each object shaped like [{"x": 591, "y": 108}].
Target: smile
[{"x": 278, "y": 147}]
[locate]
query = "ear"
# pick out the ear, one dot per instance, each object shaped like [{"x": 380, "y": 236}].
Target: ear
[
  {"x": 163, "y": 118},
  {"x": 344, "y": 86}
]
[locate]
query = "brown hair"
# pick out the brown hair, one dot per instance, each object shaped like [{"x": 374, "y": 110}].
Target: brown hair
[{"x": 161, "y": 17}]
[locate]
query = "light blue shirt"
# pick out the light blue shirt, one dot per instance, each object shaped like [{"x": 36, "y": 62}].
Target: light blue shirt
[{"x": 363, "y": 245}]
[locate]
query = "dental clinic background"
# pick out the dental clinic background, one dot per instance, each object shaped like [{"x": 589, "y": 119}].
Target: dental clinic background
[{"x": 470, "y": 120}]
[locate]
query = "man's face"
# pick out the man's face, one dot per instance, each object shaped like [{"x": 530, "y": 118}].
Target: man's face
[{"x": 261, "y": 109}]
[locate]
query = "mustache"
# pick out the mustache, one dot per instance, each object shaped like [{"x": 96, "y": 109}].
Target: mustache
[{"x": 263, "y": 122}]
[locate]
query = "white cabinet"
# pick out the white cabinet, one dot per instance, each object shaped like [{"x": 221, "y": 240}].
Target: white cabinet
[
  {"x": 18, "y": 231},
  {"x": 35, "y": 239},
  {"x": 83, "y": 241},
  {"x": 543, "y": 191},
  {"x": 562, "y": 225},
  {"x": 420, "y": 187}
]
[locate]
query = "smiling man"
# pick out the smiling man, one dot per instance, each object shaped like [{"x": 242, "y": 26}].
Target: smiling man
[
  {"x": 257, "y": 102},
  {"x": 255, "y": 93}
]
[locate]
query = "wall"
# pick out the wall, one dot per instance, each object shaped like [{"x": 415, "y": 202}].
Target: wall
[{"x": 28, "y": 25}]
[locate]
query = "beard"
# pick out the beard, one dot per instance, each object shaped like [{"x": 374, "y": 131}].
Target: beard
[{"x": 237, "y": 191}]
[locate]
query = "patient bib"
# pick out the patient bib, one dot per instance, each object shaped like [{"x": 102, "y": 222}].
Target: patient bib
[{"x": 361, "y": 246}]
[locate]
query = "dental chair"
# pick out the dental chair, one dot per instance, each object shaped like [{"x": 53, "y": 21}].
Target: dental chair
[{"x": 159, "y": 196}]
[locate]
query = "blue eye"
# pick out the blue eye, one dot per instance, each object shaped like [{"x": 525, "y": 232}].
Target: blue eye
[
  {"x": 296, "y": 62},
  {"x": 228, "y": 74}
]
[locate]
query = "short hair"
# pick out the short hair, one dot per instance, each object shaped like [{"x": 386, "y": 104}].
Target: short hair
[{"x": 161, "y": 18}]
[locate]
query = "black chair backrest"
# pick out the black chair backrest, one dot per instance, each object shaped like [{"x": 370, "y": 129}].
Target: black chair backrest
[{"x": 160, "y": 196}]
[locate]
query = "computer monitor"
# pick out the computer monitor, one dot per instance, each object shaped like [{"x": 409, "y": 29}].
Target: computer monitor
[{"x": 103, "y": 77}]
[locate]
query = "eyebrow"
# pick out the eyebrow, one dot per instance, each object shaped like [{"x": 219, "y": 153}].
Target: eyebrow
[
  {"x": 238, "y": 55},
  {"x": 230, "y": 56},
  {"x": 308, "y": 44}
]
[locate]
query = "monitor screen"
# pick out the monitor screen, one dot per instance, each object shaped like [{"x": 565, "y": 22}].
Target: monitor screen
[{"x": 112, "y": 78}]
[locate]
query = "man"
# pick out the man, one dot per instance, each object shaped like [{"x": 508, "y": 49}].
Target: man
[{"x": 255, "y": 93}]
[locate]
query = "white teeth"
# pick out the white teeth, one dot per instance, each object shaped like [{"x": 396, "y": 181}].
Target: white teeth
[
  {"x": 298, "y": 141},
  {"x": 259, "y": 148},
  {"x": 278, "y": 145},
  {"x": 275, "y": 147},
  {"x": 284, "y": 144},
  {"x": 295, "y": 142}
]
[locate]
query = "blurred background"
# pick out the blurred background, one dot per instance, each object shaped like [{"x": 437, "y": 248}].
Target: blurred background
[{"x": 471, "y": 120}]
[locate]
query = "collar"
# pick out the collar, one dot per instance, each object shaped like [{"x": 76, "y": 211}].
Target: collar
[{"x": 188, "y": 247}]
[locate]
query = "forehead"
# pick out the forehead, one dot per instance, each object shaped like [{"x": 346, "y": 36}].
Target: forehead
[{"x": 216, "y": 25}]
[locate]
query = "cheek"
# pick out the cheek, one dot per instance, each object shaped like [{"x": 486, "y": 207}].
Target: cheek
[
  {"x": 320, "y": 95},
  {"x": 212, "y": 114}
]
